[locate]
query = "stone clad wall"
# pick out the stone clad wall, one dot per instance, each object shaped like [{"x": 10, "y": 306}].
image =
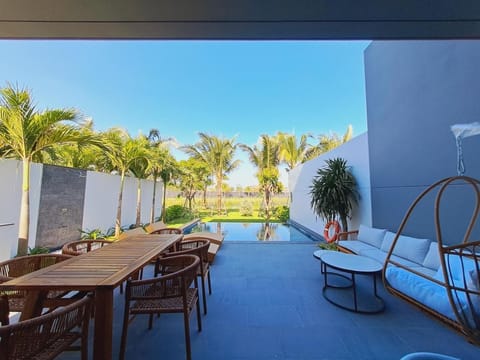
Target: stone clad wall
[{"x": 61, "y": 205}]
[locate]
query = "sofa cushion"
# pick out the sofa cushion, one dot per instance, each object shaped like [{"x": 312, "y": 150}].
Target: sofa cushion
[
  {"x": 387, "y": 241},
  {"x": 371, "y": 235},
  {"x": 410, "y": 248},
  {"x": 432, "y": 259},
  {"x": 354, "y": 245},
  {"x": 405, "y": 262},
  {"x": 374, "y": 253}
]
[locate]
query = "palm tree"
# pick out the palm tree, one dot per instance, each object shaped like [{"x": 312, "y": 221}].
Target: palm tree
[
  {"x": 266, "y": 157},
  {"x": 193, "y": 176},
  {"x": 76, "y": 155},
  {"x": 329, "y": 142},
  {"x": 27, "y": 134},
  {"x": 168, "y": 170},
  {"x": 140, "y": 169},
  {"x": 292, "y": 151},
  {"x": 333, "y": 191},
  {"x": 217, "y": 154},
  {"x": 123, "y": 152},
  {"x": 160, "y": 157}
]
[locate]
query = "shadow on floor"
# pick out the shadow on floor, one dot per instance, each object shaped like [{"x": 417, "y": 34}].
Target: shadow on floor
[{"x": 267, "y": 303}]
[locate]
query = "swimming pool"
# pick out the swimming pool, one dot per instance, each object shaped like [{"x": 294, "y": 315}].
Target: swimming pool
[{"x": 254, "y": 231}]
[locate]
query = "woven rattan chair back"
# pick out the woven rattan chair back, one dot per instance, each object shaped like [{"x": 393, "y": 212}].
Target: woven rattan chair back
[
  {"x": 46, "y": 336},
  {"x": 168, "y": 231},
  {"x": 198, "y": 247},
  {"x": 80, "y": 247},
  {"x": 169, "y": 293},
  {"x": 26, "y": 264},
  {"x": 23, "y": 265}
]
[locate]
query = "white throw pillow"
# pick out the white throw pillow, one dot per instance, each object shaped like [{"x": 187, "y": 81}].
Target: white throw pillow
[
  {"x": 407, "y": 247},
  {"x": 371, "y": 236},
  {"x": 410, "y": 248},
  {"x": 388, "y": 240},
  {"x": 432, "y": 259}
]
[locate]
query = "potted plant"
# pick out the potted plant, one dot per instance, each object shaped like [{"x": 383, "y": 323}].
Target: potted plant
[{"x": 334, "y": 191}]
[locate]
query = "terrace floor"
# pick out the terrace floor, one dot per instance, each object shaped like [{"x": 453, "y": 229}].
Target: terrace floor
[{"x": 267, "y": 303}]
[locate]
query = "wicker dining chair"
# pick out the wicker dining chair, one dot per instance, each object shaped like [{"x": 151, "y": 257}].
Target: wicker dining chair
[
  {"x": 47, "y": 336},
  {"x": 168, "y": 230},
  {"x": 170, "y": 293},
  {"x": 16, "y": 267},
  {"x": 198, "y": 247},
  {"x": 4, "y": 310},
  {"x": 75, "y": 248}
]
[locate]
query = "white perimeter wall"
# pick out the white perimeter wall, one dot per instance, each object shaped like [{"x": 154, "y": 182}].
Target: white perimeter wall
[
  {"x": 300, "y": 179},
  {"x": 101, "y": 200},
  {"x": 100, "y": 207},
  {"x": 10, "y": 194}
]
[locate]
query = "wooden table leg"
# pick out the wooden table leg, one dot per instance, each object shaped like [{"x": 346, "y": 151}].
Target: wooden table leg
[
  {"x": 102, "y": 343},
  {"x": 33, "y": 304}
]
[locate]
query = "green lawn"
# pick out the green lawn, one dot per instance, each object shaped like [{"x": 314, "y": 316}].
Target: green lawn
[{"x": 232, "y": 205}]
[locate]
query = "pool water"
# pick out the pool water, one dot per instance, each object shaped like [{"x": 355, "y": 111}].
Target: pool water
[{"x": 254, "y": 231}]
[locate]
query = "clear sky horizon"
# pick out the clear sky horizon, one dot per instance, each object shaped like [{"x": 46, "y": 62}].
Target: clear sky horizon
[{"x": 226, "y": 88}]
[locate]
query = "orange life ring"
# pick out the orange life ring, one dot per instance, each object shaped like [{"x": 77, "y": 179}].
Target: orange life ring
[{"x": 326, "y": 231}]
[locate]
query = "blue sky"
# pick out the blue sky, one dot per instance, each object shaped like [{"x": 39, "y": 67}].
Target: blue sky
[{"x": 226, "y": 88}]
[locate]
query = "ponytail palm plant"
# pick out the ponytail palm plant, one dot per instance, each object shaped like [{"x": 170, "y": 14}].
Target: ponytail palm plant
[{"x": 334, "y": 191}]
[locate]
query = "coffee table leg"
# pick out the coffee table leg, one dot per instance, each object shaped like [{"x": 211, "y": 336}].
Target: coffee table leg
[
  {"x": 354, "y": 292},
  {"x": 323, "y": 270}
]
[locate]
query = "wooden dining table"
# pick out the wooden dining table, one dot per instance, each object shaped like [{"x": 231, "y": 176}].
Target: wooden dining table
[{"x": 100, "y": 271}]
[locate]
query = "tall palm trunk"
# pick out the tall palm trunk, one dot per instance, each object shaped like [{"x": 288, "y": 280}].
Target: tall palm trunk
[
  {"x": 267, "y": 198},
  {"x": 139, "y": 202},
  {"x": 152, "y": 211},
  {"x": 118, "y": 221},
  {"x": 23, "y": 228},
  {"x": 205, "y": 196},
  {"x": 219, "y": 193}
]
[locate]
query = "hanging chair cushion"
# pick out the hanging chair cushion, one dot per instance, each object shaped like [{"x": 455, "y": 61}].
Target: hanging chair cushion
[
  {"x": 422, "y": 290},
  {"x": 461, "y": 271}
]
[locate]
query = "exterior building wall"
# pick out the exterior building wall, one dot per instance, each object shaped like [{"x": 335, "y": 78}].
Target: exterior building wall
[
  {"x": 415, "y": 91},
  {"x": 10, "y": 195},
  {"x": 300, "y": 179}
]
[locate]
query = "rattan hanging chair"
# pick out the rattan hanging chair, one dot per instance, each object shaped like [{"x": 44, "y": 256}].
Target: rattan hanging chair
[{"x": 457, "y": 279}]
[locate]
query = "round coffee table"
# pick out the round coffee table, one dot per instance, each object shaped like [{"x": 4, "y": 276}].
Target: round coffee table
[
  {"x": 318, "y": 255},
  {"x": 353, "y": 265}
]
